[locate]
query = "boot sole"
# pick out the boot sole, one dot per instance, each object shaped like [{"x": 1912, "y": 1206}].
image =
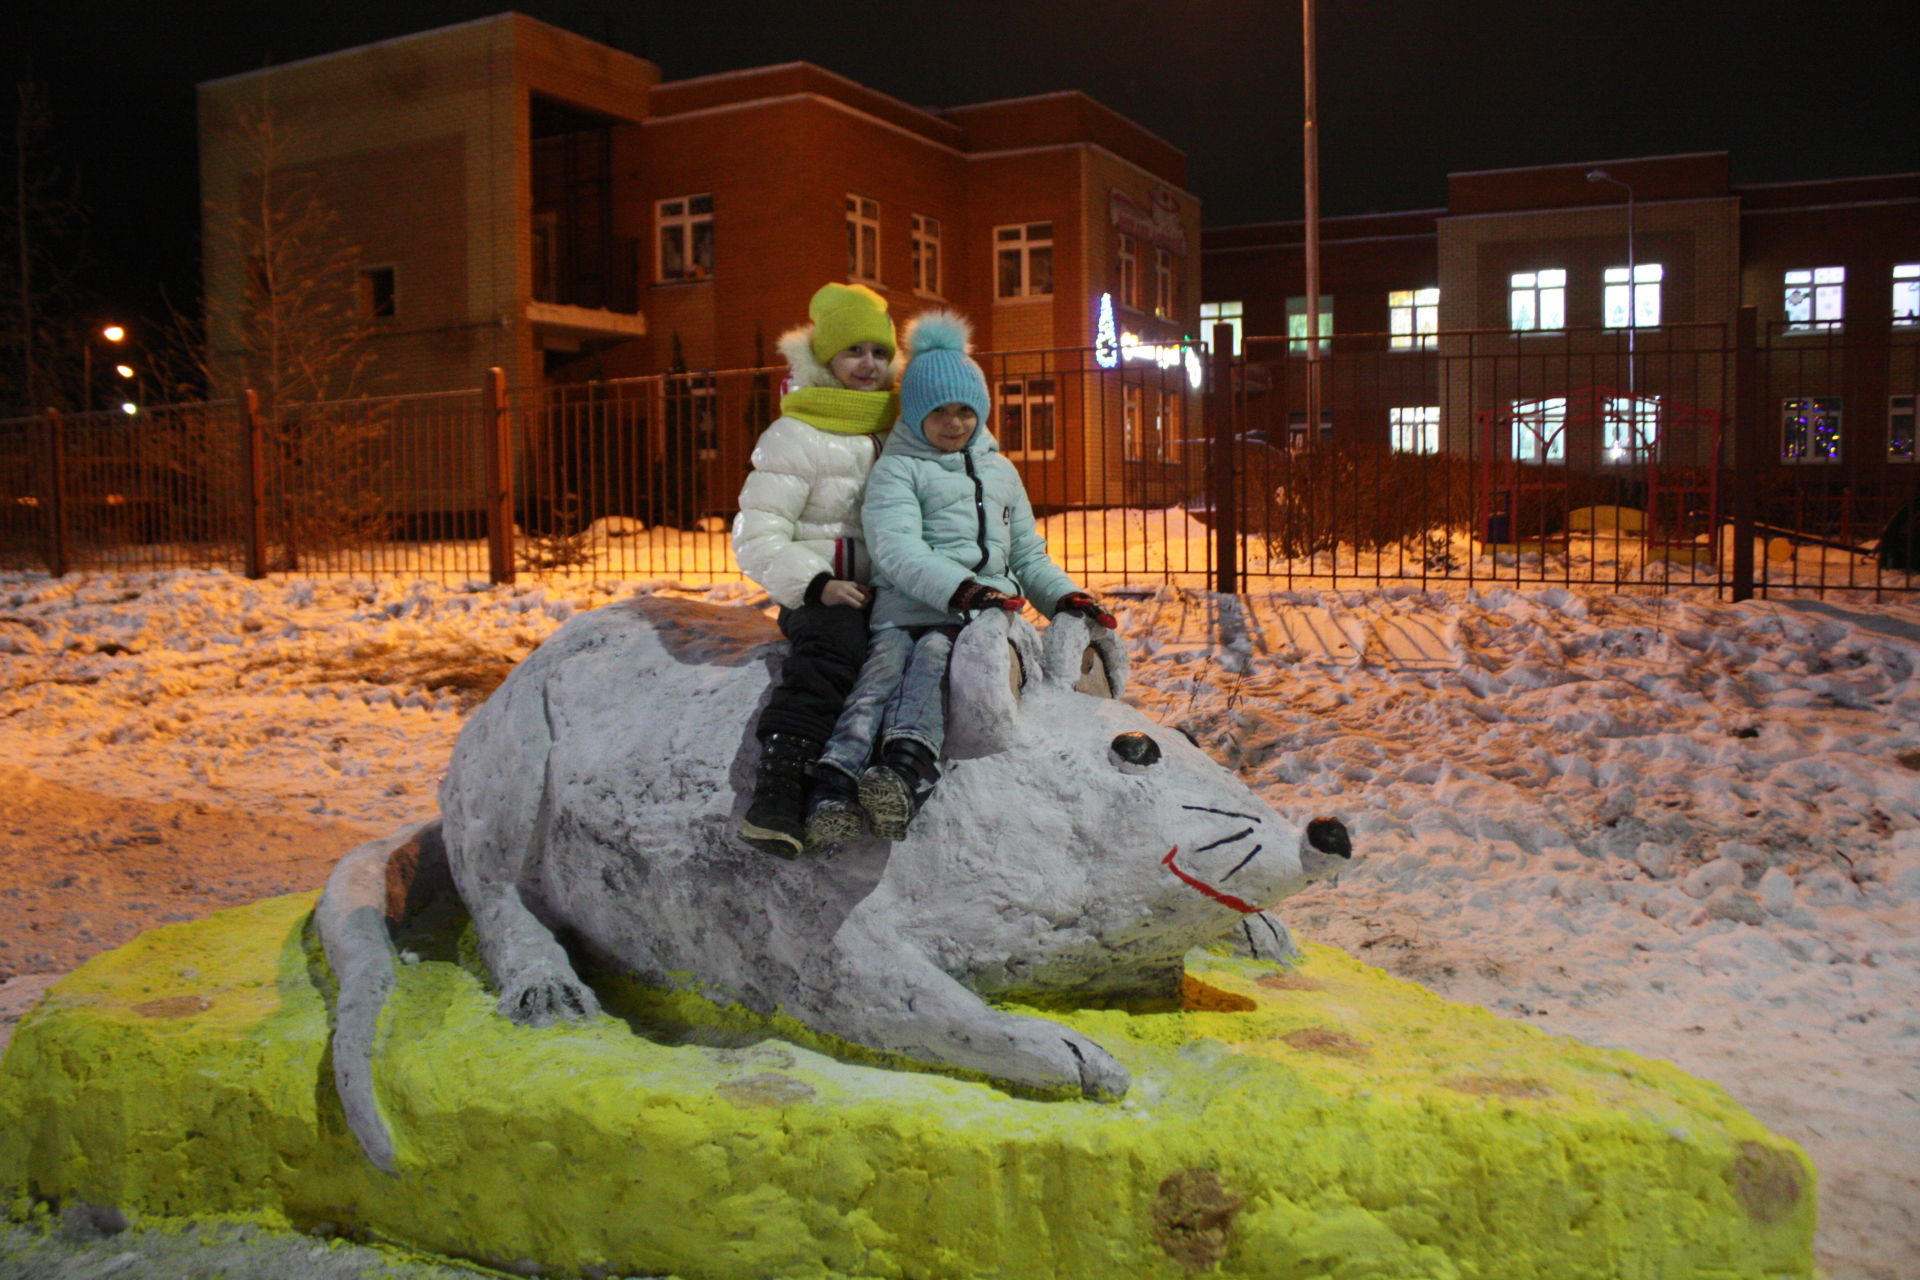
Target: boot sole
[
  {"x": 834, "y": 826},
  {"x": 780, "y": 844},
  {"x": 884, "y": 795}
]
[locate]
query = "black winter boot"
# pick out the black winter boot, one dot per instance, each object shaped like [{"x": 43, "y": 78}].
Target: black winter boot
[
  {"x": 892, "y": 791},
  {"x": 834, "y": 815},
  {"x": 776, "y": 820}
]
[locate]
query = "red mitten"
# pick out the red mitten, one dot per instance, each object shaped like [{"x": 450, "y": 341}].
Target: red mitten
[{"x": 1087, "y": 607}]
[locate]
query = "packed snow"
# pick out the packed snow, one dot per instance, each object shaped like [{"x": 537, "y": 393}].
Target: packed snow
[{"x": 1658, "y": 823}]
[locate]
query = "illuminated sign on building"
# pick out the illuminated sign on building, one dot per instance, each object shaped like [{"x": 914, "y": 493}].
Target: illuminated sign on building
[{"x": 1109, "y": 348}]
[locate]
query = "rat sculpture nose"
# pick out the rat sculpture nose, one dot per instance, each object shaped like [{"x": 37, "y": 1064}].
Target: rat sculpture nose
[
  {"x": 1329, "y": 835},
  {"x": 1136, "y": 748}
]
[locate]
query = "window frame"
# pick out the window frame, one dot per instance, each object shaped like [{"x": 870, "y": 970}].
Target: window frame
[
  {"x": 1015, "y": 392},
  {"x": 1825, "y": 287},
  {"x": 1895, "y": 412},
  {"x": 1419, "y": 311},
  {"x": 1543, "y": 296},
  {"x": 1217, "y": 313},
  {"x": 1297, "y": 333},
  {"x": 1165, "y": 293},
  {"x": 688, "y": 221},
  {"x": 1647, "y": 283},
  {"x": 926, "y": 265},
  {"x": 1424, "y": 423},
  {"x": 863, "y": 249},
  {"x": 1822, "y": 406},
  {"x": 1906, "y": 289},
  {"x": 1023, "y": 245},
  {"x": 1630, "y": 414},
  {"x": 1127, "y": 260},
  {"x": 1548, "y": 411}
]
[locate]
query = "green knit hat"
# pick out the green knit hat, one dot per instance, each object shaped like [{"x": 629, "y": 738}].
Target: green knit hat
[{"x": 844, "y": 314}]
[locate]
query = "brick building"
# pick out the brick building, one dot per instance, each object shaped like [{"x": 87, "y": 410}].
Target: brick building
[
  {"x": 529, "y": 199},
  {"x": 1499, "y": 325}
]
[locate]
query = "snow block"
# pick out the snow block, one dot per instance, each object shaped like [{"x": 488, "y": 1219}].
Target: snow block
[{"x": 1324, "y": 1121}]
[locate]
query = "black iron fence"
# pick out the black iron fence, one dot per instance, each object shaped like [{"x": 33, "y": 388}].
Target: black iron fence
[{"x": 1689, "y": 455}]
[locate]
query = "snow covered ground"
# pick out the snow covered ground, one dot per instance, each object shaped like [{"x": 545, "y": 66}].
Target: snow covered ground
[{"x": 1662, "y": 824}]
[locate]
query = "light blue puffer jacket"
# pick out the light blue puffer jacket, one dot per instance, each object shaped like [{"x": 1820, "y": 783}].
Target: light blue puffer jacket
[{"x": 933, "y": 520}]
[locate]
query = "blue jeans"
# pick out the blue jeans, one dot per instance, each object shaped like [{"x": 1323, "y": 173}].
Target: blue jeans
[{"x": 901, "y": 694}]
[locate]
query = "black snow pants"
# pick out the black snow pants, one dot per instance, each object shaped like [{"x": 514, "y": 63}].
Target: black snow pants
[{"x": 826, "y": 645}]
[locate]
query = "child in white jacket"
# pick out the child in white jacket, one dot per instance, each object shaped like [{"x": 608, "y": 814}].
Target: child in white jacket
[{"x": 798, "y": 535}]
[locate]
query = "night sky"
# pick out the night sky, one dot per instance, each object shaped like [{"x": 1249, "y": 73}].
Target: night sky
[{"x": 1408, "y": 91}]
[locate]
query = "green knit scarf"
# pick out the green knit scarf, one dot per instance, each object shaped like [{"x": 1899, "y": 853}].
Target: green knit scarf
[{"x": 843, "y": 412}]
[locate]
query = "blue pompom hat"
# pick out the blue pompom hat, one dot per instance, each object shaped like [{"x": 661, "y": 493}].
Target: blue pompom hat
[{"x": 939, "y": 370}]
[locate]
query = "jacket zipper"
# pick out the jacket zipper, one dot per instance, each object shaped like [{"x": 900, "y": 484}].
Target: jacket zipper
[{"x": 980, "y": 509}]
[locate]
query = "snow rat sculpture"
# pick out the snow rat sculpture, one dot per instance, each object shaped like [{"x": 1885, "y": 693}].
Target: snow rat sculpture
[{"x": 1073, "y": 845}]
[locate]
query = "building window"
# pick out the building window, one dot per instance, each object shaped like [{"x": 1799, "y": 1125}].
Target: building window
[
  {"x": 376, "y": 293},
  {"x": 1026, "y": 418},
  {"x": 1810, "y": 429},
  {"x": 1297, "y": 323},
  {"x": 863, "y": 239},
  {"x": 1024, "y": 256},
  {"x": 1537, "y": 301},
  {"x": 1163, "y": 292},
  {"x": 1906, "y": 295},
  {"x": 926, "y": 255},
  {"x": 1133, "y": 426},
  {"x": 1900, "y": 429},
  {"x": 686, "y": 238},
  {"x": 1413, "y": 319},
  {"x": 1540, "y": 430},
  {"x": 1127, "y": 253},
  {"x": 1297, "y": 430},
  {"x": 1630, "y": 429},
  {"x": 1231, "y": 314},
  {"x": 1416, "y": 428},
  {"x": 1646, "y": 296},
  {"x": 1813, "y": 299}
]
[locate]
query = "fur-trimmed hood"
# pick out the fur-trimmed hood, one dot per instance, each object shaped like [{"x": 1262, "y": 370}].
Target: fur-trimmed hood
[{"x": 807, "y": 370}]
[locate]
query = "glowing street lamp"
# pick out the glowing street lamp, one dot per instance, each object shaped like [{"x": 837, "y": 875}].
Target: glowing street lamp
[{"x": 111, "y": 333}]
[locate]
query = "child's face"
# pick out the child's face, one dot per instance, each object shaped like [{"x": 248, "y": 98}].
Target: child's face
[
  {"x": 862, "y": 366},
  {"x": 949, "y": 427}
]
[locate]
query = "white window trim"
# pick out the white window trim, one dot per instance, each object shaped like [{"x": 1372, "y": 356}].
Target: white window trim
[
  {"x": 1128, "y": 256},
  {"x": 686, "y": 220},
  {"x": 1231, "y": 314},
  {"x": 1638, "y": 416},
  {"x": 1647, "y": 278},
  {"x": 1839, "y": 454},
  {"x": 1551, "y": 416},
  {"x": 1906, "y": 278},
  {"x": 1023, "y": 397},
  {"x": 1824, "y": 286},
  {"x": 927, "y": 231},
  {"x": 1025, "y": 247},
  {"x": 1297, "y": 342},
  {"x": 1165, "y": 296},
  {"x": 858, "y": 220},
  {"x": 1421, "y": 422},
  {"x": 1541, "y": 291},
  {"x": 1421, "y": 313}
]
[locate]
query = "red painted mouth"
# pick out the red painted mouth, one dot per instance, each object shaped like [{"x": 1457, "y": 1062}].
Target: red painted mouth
[{"x": 1224, "y": 899}]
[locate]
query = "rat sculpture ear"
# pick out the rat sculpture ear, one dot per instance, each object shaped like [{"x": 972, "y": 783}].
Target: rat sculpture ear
[
  {"x": 996, "y": 656},
  {"x": 1085, "y": 657}
]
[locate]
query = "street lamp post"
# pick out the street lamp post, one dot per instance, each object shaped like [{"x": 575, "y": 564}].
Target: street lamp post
[{"x": 1633, "y": 293}]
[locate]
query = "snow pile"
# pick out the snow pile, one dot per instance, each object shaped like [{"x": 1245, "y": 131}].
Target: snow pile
[{"x": 1669, "y": 825}]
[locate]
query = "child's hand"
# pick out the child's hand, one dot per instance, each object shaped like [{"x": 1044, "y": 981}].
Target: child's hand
[
  {"x": 1087, "y": 607},
  {"x": 843, "y": 592},
  {"x": 971, "y": 595}
]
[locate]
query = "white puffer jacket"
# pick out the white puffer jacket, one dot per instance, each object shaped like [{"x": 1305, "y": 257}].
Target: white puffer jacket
[{"x": 800, "y": 507}]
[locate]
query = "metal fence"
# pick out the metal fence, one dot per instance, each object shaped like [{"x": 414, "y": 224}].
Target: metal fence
[{"x": 1688, "y": 455}]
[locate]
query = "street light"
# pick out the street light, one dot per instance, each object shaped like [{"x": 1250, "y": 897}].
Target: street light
[
  {"x": 112, "y": 333},
  {"x": 1633, "y": 289}
]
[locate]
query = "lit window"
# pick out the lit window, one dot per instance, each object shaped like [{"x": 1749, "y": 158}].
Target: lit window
[
  {"x": 926, "y": 255},
  {"x": 1163, "y": 283},
  {"x": 1416, "y": 429},
  {"x": 1413, "y": 318},
  {"x": 1900, "y": 429},
  {"x": 1813, "y": 299},
  {"x": 1133, "y": 426},
  {"x": 1646, "y": 296},
  {"x": 376, "y": 293},
  {"x": 1906, "y": 294},
  {"x": 1026, "y": 418},
  {"x": 1127, "y": 253},
  {"x": 1810, "y": 429},
  {"x": 1630, "y": 429},
  {"x": 1537, "y": 300},
  {"x": 685, "y": 241},
  {"x": 863, "y": 239},
  {"x": 1227, "y": 313},
  {"x": 1540, "y": 430},
  {"x": 1023, "y": 255},
  {"x": 1297, "y": 323}
]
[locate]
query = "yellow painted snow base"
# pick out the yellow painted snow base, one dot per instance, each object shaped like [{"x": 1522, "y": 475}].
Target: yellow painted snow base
[{"x": 1330, "y": 1123}]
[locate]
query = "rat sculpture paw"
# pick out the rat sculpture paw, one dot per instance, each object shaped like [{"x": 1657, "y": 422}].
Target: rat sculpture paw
[
  {"x": 540, "y": 999},
  {"x": 1263, "y": 936}
]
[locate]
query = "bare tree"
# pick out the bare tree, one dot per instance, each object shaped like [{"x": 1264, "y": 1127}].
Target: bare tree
[
  {"x": 42, "y": 223},
  {"x": 296, "y": 330}
]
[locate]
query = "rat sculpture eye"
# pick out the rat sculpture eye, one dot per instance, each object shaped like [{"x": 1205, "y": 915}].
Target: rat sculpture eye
[{"x": 1135, "y": 752}]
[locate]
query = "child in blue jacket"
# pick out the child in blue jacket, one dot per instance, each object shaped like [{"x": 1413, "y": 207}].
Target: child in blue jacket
[{"x": 951, "y": 533}]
